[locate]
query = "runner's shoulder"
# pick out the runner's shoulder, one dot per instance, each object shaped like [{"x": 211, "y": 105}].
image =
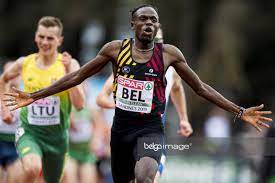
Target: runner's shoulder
[
  {"x": 170, "y": 49},
  {"x": 19, "y": 62},
  {"x": 113, "y": 45},
  {"x": 111, "y": 48},
  {"x": 172, "y": 52}
]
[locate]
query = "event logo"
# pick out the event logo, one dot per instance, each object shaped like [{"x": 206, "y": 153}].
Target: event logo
[{"x": 125, "y": 69}]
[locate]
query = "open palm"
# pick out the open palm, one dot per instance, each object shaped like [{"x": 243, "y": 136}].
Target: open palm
[
  {"x": 17, "y": 99},
  {"x": 255, "y": 117}
]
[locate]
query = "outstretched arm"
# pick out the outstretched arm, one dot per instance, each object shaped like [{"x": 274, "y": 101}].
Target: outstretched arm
[
  {"x": 251, "y": 115},
  {"x": 103, "y": 98},
  {"x": 107, "y": 53}
]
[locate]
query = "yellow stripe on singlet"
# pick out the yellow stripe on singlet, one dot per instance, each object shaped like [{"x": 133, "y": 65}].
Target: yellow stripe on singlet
[
  {"x": 129, "y": 61},
  {"x": 115, "y": 86},
  {"x": 126, "y": 58},
  {"x": 125, "y": 42},
  {"x": 123, "y": 51}
]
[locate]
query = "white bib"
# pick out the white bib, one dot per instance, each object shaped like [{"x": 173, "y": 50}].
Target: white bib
[
  {"x": 82, "y": 132},
  {"x": 134, "y": 95},
  {"x": 9, "y": 128},
  {"x": 45, "y": 111}
]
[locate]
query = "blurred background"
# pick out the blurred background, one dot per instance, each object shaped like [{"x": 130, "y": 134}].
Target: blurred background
[{"x": 229, "y": 44}]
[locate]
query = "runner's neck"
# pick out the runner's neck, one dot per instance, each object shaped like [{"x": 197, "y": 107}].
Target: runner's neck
[{"x": 43, "y": 62}]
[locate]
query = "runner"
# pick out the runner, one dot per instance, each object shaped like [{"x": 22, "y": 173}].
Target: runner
[
  {"x": 139, "y": 67},
  {"x": 80, "y": 166},
  {"x": 8, "y": 156},
  {"x": 174, "y": 86},
  {"x": 42, "y": 138}
]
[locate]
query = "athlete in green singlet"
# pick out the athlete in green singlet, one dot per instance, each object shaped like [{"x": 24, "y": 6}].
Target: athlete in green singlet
[{"x": 42, "y": 138}]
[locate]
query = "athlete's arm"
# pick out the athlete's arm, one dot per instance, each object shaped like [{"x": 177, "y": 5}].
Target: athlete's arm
[
  {"x": 76, "y": 93},
  {"x": 178, "y": 97},
  {"x": 179, "y": 100},
  {"x": 12, "y": 72},
  {"x": 251, "y": 115},
  {"x": 103, "y": 98},
  {"x": 106, "y": 54}
]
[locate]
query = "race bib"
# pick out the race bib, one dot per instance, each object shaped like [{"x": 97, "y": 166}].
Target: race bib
[
  {"x": 45, "y": 111},
  {"x": 10, "y": 128},
  {"x": 82, "y": 132},
  {"x": 134, "y": 95}
]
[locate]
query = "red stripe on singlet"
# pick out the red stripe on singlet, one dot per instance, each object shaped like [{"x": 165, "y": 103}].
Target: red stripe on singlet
[
  {"x": 155, "y": 65},
  {"x": 158, "y": 57},
  {"x": 162, "y": 94}
]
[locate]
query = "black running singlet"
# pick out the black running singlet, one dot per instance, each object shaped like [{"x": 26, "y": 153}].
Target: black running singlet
[{"x": 139, "y": 88}]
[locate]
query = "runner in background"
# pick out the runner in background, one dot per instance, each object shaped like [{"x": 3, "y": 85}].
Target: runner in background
[
  {"x": 101, "y": 143},
  {"x": 174, "y": 88},
  {"x": 42, "y": 138},
  {"x": 80, "y": 165},
  {"x": 10, "y": 166}
]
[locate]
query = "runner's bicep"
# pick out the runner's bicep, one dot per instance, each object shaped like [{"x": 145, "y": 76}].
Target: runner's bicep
[
  {"x": 92, "y": 67},
  {"x": 188, "y": 75}
]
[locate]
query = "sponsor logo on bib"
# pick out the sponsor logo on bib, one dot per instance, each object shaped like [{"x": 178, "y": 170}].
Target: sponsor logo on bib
[{"x": 134, "y": 95}]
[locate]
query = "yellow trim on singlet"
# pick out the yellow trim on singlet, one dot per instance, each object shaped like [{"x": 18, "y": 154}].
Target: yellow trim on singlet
[
  {"x": 129, "y": 61},
  {"x": 125, "y": 42},
  {"x": 125, "y": 58},
  {"x": 124, "y": 50}
]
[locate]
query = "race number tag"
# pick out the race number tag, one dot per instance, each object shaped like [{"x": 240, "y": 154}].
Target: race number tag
[
  {"x": 45, "y": 111},
  {"x": 82, "y": 131},
  {"x": 134, "y": 95}
]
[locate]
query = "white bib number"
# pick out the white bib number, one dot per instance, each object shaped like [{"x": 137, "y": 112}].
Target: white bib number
[
  {"x": 134, "y": 95},
  {"x": 82, "y": 132},
  {"x": 10, "y": 128},
  {"x": 44, "y": 111}
]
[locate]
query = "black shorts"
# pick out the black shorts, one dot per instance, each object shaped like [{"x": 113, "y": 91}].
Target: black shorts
[
  {"x": 8, "y": 153},
  {"x": 129, "y": 146}
]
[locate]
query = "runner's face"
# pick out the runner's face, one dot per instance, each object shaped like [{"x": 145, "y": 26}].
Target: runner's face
[
  {"x": 47, "y": 39},
  {"x": 145, "y": 24}
]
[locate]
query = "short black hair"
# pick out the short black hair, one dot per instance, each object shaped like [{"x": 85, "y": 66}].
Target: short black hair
[{"x": 134, "y": 10}]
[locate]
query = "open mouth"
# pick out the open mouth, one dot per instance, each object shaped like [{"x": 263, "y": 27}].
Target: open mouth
[
  {"x": 148, "y": 30},
  {"x": 44, "y": 48}
]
